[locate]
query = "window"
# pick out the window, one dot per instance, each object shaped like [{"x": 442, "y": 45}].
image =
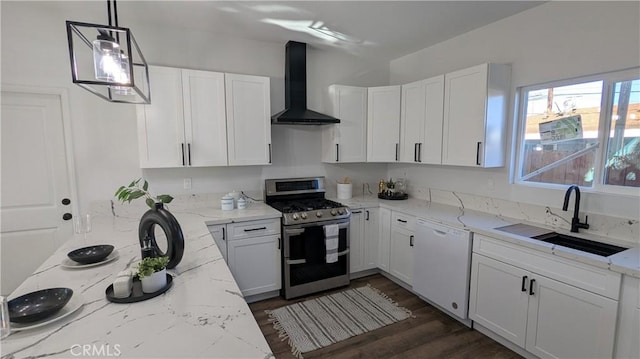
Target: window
[{"x": 584, "y": 131}]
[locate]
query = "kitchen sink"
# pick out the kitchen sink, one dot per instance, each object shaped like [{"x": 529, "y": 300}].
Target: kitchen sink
[{"x": 585, "y": 245}]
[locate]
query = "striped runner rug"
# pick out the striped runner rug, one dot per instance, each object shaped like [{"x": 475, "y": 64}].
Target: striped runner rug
[{"x": 319, "y": 322}]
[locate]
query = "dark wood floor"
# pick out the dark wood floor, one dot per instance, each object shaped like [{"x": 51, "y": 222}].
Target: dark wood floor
[{"x": 431, "y": 334}]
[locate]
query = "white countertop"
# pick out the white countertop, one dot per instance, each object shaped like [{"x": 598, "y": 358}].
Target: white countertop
[
  {"x": 202, "y": 315},
  {"x": 626, "y": 262}
]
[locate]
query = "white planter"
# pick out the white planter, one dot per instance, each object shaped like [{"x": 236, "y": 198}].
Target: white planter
[{"x": 154, "y": 282}]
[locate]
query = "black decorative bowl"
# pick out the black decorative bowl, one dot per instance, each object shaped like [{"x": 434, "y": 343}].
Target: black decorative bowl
[
  {"x": 38, "y": 305},
  {"x": 91, "y": 254}
]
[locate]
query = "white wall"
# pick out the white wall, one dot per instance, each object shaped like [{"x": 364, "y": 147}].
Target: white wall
[
  {"x": 557, "y": 40},
  {"x": 34, "y": 52}
]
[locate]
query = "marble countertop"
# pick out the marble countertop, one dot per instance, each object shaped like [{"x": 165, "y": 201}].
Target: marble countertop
[
  {"x": 202, "y": 315},
  {"x": 626, "y": 262}
]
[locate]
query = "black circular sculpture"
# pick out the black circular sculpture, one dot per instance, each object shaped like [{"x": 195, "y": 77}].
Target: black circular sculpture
[{"x": 175, "y": 240}]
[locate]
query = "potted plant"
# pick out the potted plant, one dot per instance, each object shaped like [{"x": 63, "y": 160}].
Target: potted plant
[
  {"x": 135, "y": 191},
  {"x": 152, "y": 272}
]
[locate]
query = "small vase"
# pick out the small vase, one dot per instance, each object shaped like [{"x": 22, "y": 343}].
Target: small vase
[{"x": 154, "y": 282}]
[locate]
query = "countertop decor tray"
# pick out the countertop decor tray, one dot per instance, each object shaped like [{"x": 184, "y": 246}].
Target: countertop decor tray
[
  {"x": 394, "y": 197},
  {"x": 136, "y": 292}
]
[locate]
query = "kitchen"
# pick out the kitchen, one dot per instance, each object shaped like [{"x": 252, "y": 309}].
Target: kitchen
[{"x": 104, "y": 133}]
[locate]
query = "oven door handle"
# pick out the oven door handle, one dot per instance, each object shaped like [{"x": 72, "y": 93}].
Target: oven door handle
[
  {"x": 346, "y": 251},
  {"x": 296, "y": 261},
  {"x": 294, "y": 231}
]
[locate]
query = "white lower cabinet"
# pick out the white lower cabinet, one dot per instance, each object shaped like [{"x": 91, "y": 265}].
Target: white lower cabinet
[
  {"x": 401, "y": 247},
  {"x": 544, "y": 316},
  {"x": 384, "y": 238},
  {"x": 252, "y": 252},
  {"x": 363, "y": 239}
]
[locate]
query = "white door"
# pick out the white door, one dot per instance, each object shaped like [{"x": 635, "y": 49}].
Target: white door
[
  {"x": 383, "y": 124},
  {"x": 464, "y": 116},
  {"x": 371, "y": 237},
  {"x": 356, "y": 241},
  {"x": 255, "y": 264},
  {"x": 412, "y": 119},
  {"x": 161, "y": 124},
  {"x": 384, "y": 239},
  {"x": 430, "y": 150},
  {"x": 35, "y": 183},
  {"x": 499, "y": 298},
  {"x": 248, "y": 119},
  {"x": 205, "y": 124},
  {"x": 401, "y": 258},
  {"x": 567, "y": 322},
  {"x": 350, "y": 106}
]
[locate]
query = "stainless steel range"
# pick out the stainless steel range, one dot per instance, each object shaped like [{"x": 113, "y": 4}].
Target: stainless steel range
[{"x": 305, "y": 213}]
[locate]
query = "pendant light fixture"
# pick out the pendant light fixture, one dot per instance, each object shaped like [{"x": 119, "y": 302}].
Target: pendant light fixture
[{"x": 106, "y": 60}]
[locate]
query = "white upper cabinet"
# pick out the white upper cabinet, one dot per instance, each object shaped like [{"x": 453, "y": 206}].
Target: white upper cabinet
[
  {"x": 248, "y": 119},
  {"x": 421, "y": 118},
  {"x": 205, "y": 126},
  {"x": 475, "y": 105},
  {"x": 346, "y": 141},
  {"x": 383, "y": 124},
  {"x": 161, "y": 124}
]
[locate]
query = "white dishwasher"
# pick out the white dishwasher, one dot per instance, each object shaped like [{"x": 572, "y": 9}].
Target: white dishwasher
[{"x": 442, "y": 262}]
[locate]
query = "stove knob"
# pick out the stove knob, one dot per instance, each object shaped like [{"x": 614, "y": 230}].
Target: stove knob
[
  {"x": 303, "y": 215},
  {"x": 333, "y": 212},
  {"x": 318, "y": 214},
  {"x": 295, "y": 216},
  {"x": 340, "y": 211}
]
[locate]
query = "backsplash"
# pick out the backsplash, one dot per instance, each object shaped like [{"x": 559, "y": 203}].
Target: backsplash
[{"x": 624, "y": 229}]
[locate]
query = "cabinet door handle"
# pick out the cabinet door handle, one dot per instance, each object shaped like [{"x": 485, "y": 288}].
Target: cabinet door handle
[
  {"x": 337, "y": 152},
  {"x": 223, "y": 235},
  {"x": 478, "y": 153},
  {"x": 255, "y": 229},
  {"x": 420, "y": 152},
  {"x": 411, "y": 240},
  {"x": 367, "y": 212},
  {"x": 524, "y": 283},
  {"x": 189, "y": 152},
  {"x": 269, "y": 153},
  {"x": 356, "y": 212},
  {"x": 531, "y": 286},
  {"x": 66, "y": 201},
  {"x": 183, "y": 162},
  {"x": 397, "y": 146},
  {"x": 278, "y": 242},
  {"x": 415, "y": 152},
  {"x": 402, "y": 220},
  {"x": 67, "y": 216}
]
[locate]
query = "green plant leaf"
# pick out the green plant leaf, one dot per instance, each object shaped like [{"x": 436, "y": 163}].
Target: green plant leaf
[
  {"x": 149, "y": 265},
  {"x": 149, "y": 202},
  {"x": 118, "y": 191},
  {"x": 145, "y": 186},
  {"x": 133, "y": 183},
  {"x": 165, "y": 198},
  {"x": 136, "y": 194}
]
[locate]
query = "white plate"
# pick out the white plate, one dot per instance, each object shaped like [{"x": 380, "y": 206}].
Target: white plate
[
  {"x": 76, "y": 302},
  {"x": 71, "y": 264}
]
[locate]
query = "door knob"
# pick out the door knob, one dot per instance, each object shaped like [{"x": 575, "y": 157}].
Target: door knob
[
  {"x": 66, "y": 201},
  {"x": 67, "y": 216}
]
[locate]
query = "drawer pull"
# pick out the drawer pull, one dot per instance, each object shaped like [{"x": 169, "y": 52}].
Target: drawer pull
[
  {"x": 255, "y": 229},
  {"x": 402, "y": 220}
]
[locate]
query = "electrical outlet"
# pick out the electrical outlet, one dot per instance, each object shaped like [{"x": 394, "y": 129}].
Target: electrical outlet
[{"x": 187, "y": 183}]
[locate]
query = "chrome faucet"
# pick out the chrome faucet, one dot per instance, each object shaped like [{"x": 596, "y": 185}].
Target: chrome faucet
[{"x": 575, "y": 221}]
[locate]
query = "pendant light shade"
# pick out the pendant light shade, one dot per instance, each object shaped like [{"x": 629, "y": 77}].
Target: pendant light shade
[{"x": 107, "y": 61}]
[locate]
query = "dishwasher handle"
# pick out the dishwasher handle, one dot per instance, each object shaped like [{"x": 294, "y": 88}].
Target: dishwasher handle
[{"x": 440, "y": 233}]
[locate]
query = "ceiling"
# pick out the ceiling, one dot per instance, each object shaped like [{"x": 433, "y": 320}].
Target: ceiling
[{"x": 378, "y": 29}]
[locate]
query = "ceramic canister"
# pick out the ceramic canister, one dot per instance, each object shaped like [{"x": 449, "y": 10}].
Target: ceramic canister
[{"x": 226, "y": 203}]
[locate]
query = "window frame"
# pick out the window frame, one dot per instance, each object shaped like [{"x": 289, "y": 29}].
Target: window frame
[{"x": 604, "y": 128}]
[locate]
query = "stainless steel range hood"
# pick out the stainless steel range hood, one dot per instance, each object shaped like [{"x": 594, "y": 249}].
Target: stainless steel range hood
[{"x": 295, "y": 91}]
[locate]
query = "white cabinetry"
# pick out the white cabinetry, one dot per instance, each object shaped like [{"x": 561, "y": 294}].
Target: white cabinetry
[
  {"x": 549, "y": 317},
  {"x": 248, "y": 119},
  {"x": 185, "y": 124},
  {"x": 383, "y": 124},
  {"x": 347, "y": 140},
  {"x": 475, "y": 105},
  {"x": 401, "y": 246},
  {"x": 363, "y": 239},
  {"x": 384, "y": 238},
  {"x": 252, "y": 253},
  {"x": 421, "y": 119},
  {"x": 627, "y": 345}
]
